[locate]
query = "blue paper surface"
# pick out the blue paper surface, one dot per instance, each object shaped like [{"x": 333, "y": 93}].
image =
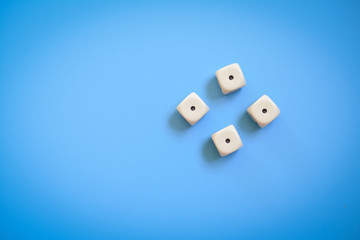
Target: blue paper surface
[{"x": 91, "y": 145}]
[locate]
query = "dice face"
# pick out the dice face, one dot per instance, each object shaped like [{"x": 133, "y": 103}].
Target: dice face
[
  {"x": 192, "y": 108},
  {"x": 263, "y": 111},
  {"x": 227, "y": 140},
  {"x": 230, "y": 78}
]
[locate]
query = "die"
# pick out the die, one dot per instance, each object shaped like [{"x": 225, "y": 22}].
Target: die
[
  {"x": 192, "y": 108},
  {"x": 263, "y": 111},
  {"x": 230, "y": 78},
  {"x": 227, "y": 140}
]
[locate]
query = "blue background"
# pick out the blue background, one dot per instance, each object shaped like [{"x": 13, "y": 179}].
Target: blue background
[{"x": 93, "y": 148}]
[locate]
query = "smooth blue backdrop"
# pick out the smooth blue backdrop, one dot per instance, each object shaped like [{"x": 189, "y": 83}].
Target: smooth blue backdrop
[{"x": 91, "y": 146}]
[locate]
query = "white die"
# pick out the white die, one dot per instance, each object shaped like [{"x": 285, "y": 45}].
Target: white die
[
  {"x": 263, "y": 111},
  {"x": 192, "y": 108},
  {"x": 227, "y": 140},
  {"x": 230, "y": 78}
]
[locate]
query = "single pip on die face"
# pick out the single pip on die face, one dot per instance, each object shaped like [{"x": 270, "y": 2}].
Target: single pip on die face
[
  {"x": 192, "y": 108},
  {"x": 227, "y": 140},
  {"x": 263, "y": 111},
  {"x": 230, "y": 78}
]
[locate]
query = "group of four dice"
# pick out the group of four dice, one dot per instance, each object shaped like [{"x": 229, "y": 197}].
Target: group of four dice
[{"x": 227, "y": 140}]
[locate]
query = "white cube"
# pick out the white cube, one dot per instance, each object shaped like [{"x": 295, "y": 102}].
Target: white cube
[
  {"x": 263, "y": 111},
  {"x": 230, "y": 78},
  {"x": 192, "y": 108},
  {"x": 227, "y": 140}
]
